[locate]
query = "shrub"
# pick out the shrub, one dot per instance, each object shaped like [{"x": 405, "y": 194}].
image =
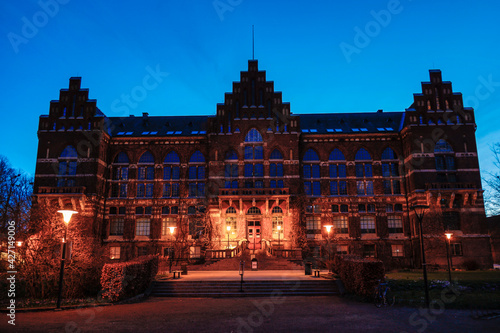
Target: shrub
[
  {"x": 127, "y": 279},
  {"x": 359, "y": 275}
]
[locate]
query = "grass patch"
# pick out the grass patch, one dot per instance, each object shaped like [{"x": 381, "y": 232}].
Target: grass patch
[{"x": 470, "y": 289}]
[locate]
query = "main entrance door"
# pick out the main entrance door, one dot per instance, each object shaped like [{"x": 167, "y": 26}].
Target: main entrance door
[{"x": 253, "y": 229}]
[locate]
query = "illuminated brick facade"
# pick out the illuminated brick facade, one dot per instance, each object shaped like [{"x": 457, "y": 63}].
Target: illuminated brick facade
[{"x": 255, "y": 166}]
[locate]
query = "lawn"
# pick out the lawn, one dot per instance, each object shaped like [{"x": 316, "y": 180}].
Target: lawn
[{"x": 470, "y": 289}]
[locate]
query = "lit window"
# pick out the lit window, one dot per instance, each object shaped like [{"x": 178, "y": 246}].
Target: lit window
[
  {"x": 367, "y": 224},
  {"x": 313, "y": 223},
  {"x": 114, "y": 252},
  {"x": 397, "y": 250},
  {"x": 142, "y": 227},
  {"x": 340, "y": 225}
]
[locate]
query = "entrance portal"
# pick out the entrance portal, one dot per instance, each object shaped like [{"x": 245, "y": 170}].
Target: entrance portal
[{"x": 253, "y": 229}]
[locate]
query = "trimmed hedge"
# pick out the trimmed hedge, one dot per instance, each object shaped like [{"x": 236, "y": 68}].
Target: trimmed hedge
[
  {"x": 359, "y": 275},
  {"x": 127, "y": 279}
]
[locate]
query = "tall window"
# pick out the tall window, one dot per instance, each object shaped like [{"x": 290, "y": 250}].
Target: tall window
[
  {"x": 367, "y": 224},
  {"x": 231, "y": 219},
  {"x": 67, "y": 167},
  {"x": 231, "y": 170},
  {"x": 166, "y": 224},
  {"x": 338, "y": 173},
  {"x": 143, "y": 226},
  {"x": 276, "y": 169},
  {"x": 390, "y": 172},
  {"x": 116, "y": 227},
  {"x": 311, "y": 169},
  {"x": 171, "y": 175},
  {"x": 364, "y": 172},
  {"x": 145, "y": 173},
  {"x": 254, "y": 154},
  {"x": 395, "y": 224},
  {"x": 277, "y": 219},
  {"x": 445, "y": 162},
  {"x": 197, "y": 175},
  {"x": 340, "y": 224},
  {"x": 120, "y": 176}
]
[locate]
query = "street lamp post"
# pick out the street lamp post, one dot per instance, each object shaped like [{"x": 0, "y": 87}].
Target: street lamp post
[
  {"x": 66, "y": 217},
  {"x": 419, "y": 212},
  {"x": 328, "y": 229},
  {"x": 228, "y": 230},
  {"x": 448, "y": 239},
  {"x": 171, "y": 254},
  {"x": 279, "y": 237}
]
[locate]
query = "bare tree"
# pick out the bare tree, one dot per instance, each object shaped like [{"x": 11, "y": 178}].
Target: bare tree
[
  {"x": 493, "y": 184},
  {"x": 15, "y": 197}
]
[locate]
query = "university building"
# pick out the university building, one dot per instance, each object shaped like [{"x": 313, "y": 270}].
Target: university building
[{"x": 257, "y": 175}]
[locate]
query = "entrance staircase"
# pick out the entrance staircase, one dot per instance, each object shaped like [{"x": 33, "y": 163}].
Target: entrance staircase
[
  {"x": 265, "y": 262},
  {"x": 271, "y": 288}
]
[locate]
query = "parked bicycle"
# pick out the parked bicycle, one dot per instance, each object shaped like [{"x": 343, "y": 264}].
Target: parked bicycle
[{"x": 383, "y": 295}]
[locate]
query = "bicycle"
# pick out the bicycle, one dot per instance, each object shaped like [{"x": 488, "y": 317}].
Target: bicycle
[{"x": 383, "y": 295}]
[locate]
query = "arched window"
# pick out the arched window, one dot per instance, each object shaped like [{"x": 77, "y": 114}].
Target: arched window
[
  {"x": 338, "y": 173},
  {"x": 67, "y": 167},
  {"x": 231, "y": 170},
  {"x": 121, "y": 158},
  {"x": 390, "y": 172},
  {"x": 445, "y": 162},
  {"x": 231, "y": 155},
  {"x": 276, "y": 172},
  {"x": 277, "y": 210},
  {"x": 147, "y": 158},
  {"x": 231, "y": 210},
  {"x": 171, "y": 175},
  {"x": 311, "y": 155},
  {"x": 254, "y": 211},
  {"x": 363, "y": 155},
  {"x": 120, "y": 175},
  {"x": 364, "y": 172},
  {"x": 276, "y": 155},
  {"x": 253, "y": 136},
  {"x": 443, "y": 147},
  {"x": 197, "y": 157},
  {"x": 311, "y": 173},
  {"x": 69, "y": 152},
  {"x": 196, "y": 175}
]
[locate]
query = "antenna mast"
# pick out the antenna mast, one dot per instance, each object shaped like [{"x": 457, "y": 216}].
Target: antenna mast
[{"x": 253, "y": 43}]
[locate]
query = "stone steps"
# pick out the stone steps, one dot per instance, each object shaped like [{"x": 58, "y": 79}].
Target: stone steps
[{"x": 250, "y": 288}]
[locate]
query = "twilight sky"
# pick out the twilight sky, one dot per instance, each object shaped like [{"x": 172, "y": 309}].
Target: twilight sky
[{"x": 325, "y": 56}]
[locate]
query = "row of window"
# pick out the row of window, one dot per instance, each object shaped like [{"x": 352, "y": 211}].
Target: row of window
[
  {"x": 367, "y": 224},
  {"x": 165, "y": 210}
]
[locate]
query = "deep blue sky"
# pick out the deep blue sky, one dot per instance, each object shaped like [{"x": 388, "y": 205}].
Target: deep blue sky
[{"x": 111, "y": 43}]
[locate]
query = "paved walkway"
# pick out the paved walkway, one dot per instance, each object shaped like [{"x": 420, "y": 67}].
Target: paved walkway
[
  {"x": 276, "y": 314},
  {"x": 247, "y": 276}
]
